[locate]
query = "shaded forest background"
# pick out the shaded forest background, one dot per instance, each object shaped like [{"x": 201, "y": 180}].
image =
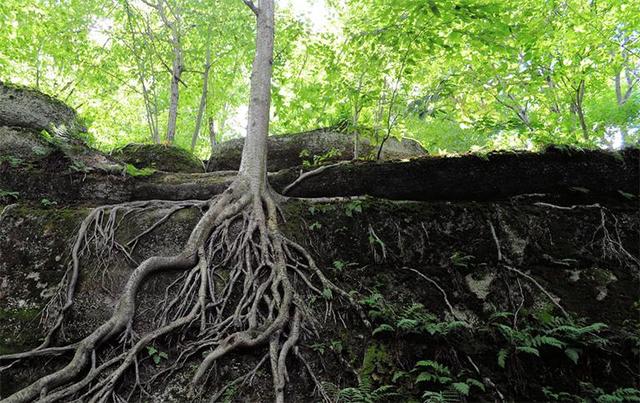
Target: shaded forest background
[{"x": 456, "y": 76}]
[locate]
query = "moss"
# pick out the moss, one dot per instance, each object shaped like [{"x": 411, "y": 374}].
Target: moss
[
  {"x": 158, "y": 156},
  {"x": 21, "y": 314},
  {"x": 376, "y": 362},
  {"x": 133, "y": 171}
]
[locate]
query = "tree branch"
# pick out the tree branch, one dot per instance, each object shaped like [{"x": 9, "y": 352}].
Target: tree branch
[{"x": 252, "y": 6}]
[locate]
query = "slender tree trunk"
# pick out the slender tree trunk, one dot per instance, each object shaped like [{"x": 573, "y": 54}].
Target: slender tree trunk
[
  {"x": 176, "y": 72},
  {"x": 213, "y": 141},
  {"x": 212, "y": 134},
  {"x": 203, "y": 98},
  {"x": 149, "y": 105},
  {"x": 356, "y": 134},
  {"x": 254, "y": 155},
  {"x": 618, "y": 86},
  {"x": 176, "y": 68},
  {"x": 579, "y": 109}
]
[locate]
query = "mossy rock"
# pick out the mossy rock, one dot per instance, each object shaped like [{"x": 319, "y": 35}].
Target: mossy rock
[
  {"x": 19, "y": 144},
  {"x": 314, "y": 147},
  {"x": 159, "y": 157},
  {"x": 31, "y": 109}
]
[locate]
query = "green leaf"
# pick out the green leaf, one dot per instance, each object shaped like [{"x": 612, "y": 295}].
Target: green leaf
[
  {"x": 626, "y": 195},
  {"x": 151, "y": 350},
  {"x": 407, "y": 324},
  {"x": 398, "y": 375},
  {"x": 383, "y": 328},
  {"x": 573, "y": 354},
  {"x": 547, "y": 341},
  {"x": 476, "y": 383},
  {"x": 502, "y": 357},
  {"x": 529, "y": 350},
  {"x": 461, "y": 388},
  {"x": 156, "y": 358},
  {"x": 424, "y": 377},
  {"x": 327, "y": 293}
]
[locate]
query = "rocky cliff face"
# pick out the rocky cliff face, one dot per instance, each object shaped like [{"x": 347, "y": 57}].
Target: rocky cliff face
[{"x": 508, "y": 277}]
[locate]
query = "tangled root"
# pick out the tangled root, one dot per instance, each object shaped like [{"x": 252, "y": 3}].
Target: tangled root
[{"x": 243, "y": 285}]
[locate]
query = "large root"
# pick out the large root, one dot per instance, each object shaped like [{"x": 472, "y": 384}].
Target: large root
[{"x": 243, "y": 285}]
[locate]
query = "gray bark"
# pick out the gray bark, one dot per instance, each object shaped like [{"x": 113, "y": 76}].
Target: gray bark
[
  {"x": 203, "y": 98},
  {"x": 176, "y": 72},
  {"x": 177, "y": 66},
  {"x": 254, "y": 155},
  {"x": 579, "y": 109}
]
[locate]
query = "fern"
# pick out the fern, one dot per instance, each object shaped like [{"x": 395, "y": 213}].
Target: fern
[
  {"x": 549, "y": 332},
  {"x": 620, "y": 395},
  {"x": 363, "y": 393}
]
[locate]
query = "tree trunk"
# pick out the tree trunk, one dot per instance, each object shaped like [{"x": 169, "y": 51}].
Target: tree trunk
[
  {"x": 149, "y": 104},
  {"x": 254, "y": 155},
  {"x": 577, "y": 106},
  {"x": 203, "y": 98},
  {"x": 176, "y": 72},
  {"x": 213, "y": 141},
  {"x": 356, "y": 134},
  {"x": 618, "y": 86},
  {"x": 176, "y": 68}
]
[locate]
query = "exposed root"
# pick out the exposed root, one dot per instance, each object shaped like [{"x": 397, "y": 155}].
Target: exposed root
[
  {"x": 97, "y": 232},
  {"x": 243, "y": 285},
  {"x": 452, "y": 311},
  {"x": 540, "y": 287},
  {"x": 5, "y": 210},
  {"x": 610, "y": 242},
  {"x": 502, "y": 258},
  {"x": 307, "y": 175},
  {"x": 240, "y": 381},
  {"x": 375, "y": 242}
]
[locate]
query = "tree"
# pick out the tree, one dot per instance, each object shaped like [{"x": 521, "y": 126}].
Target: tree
[{"x": 263, "y": 301}]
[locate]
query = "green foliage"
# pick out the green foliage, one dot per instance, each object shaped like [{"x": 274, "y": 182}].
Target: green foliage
[
  {"x": 480, "y": 75},
  {"x": 317, "y": 160},
  {"x": 546, "y": 332},
  {"x": 460, "y": 260},
  {"x": 131, "y": 170},
  {"x": 440, "y": 384},
  {"x": 594, "y": 393},
  {"x": 432, "y": 371},
  {"x": 620, "y": 395},
  {"x": 12, "y": 160},
  {"x": 354, "y": 206},
  {"x": 363, "y": 393},
  {"x": 47, "y": 203},
  {"x": 78, "y": 166},
  {"x": 339, "y": 265},
  {"x": 408, "y": 319},
  {"x": 156, "y": 355},
  {"x": 8, "y": 194}
]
